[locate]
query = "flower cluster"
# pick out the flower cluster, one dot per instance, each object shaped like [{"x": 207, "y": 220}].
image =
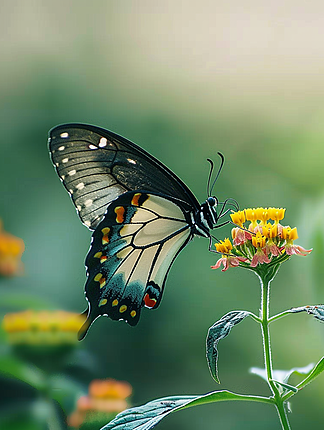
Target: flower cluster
[
  {"x": 11, "y": 249},
  {"x": 42, "y": 327},
  {"x": 106, "y": 398},
  {"x": 264, "y": 240}
]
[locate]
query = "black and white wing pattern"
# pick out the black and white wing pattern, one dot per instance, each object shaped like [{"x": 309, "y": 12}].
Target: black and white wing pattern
[
  {"x": 140, "y": 211},
  {"x": 131, "y": 253},
  {"x": 96, "y": 166}
]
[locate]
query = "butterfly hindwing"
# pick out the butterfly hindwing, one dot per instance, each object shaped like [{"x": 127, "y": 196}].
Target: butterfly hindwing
[
  {"x": 96, "y": 166},
  {"x": 131, "y": 253}
]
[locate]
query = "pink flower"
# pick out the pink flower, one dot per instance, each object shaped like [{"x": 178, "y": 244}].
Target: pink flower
[
  {"x": 296, "y": 249},
  {"x": 260, "y": 257},
  {"x": 228, "y": 262},
  {"x": 272, "y": 248},
  {"x": 240, "y": 236}
]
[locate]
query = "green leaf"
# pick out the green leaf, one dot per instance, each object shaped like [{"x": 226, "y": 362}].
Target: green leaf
[
  {"x": 317, "y": 311},
  {"x": 147, "y": 416},
  {"x": 317, "y": 370},
  {"x": 27, "y": 373},
  {"x": 219, "y": 331}
]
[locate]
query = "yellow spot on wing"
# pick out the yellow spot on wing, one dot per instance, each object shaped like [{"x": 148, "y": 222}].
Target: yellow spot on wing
[
  {"x": 103, "y": 302},
  {"x": 103, "y": 258},
  {"x": 133, "y": 313},
  {"x": 98, "y": 255},
  {"x": 98, "y": 277},
  {"x": 120, "y": 211},
  {"x": 105, "y": 230},
  {"x": 135, "y": 199},
  {"x": 122, "y": 309},
  {"x": 115, "y": 302}
]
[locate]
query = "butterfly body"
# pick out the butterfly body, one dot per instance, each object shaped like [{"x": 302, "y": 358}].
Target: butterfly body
[{"x": 142, "y": 215}]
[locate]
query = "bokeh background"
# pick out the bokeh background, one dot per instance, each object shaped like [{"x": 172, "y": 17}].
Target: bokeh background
[{"x": 183, "y": 80}]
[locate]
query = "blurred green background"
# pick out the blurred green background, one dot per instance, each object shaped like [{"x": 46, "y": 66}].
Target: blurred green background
[{"x": 183, "y": 80}]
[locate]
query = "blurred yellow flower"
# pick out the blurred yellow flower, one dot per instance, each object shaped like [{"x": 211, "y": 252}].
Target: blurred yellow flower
[
  {"x": 106, "y": 398},
  {"x": 11, "y": 249},
  {"x": 42, "y": 327}
]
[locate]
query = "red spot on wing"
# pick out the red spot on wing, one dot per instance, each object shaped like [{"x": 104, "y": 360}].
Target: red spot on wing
[{"x": 149, "y": 302}]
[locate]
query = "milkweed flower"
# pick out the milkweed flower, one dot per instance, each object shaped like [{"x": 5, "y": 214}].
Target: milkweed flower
[
  {"x": 11, "y": 250},
  {"x": 227, "y": 259},
  {"x": 105, "y": 399},
  {"x": 259, "y": 239}
]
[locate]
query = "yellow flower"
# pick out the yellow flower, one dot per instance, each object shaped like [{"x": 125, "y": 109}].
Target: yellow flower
[
  {"x": 42, "y": 327},
  {"x": 258, "y": 241},
  {"x": 224, "y": 247},
  {"x": 238, "y": 218},
  {"x": 276, "y": 214},
  {"x": 289, "y": 233}
]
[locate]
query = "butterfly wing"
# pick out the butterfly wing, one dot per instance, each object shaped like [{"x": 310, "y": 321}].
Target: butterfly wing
[
  {"x": 96, "y": 166},
  {"x": 131, "y": 253}
]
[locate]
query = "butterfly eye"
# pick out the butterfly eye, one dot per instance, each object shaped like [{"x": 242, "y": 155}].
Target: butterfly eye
[{"x": 211, "y": 201}]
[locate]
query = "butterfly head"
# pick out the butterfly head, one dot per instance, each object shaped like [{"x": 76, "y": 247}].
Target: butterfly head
[{"x": 212, "y": 203}]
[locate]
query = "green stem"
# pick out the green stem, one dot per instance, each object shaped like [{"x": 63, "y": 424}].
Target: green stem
[
  {"x": 278, "y": 316},
  {"x": 265, "y": 298}
]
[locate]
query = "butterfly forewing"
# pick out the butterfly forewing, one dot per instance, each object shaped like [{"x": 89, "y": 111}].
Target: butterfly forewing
[
  {"x": 96, "y": 166},
  {"x": 131, "y": 253}
]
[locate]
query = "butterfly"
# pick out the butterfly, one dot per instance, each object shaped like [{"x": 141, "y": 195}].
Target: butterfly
[{"x": 142, "y": 215}]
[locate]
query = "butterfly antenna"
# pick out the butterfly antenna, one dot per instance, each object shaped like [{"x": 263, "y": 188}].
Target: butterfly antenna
[
  {"x": 219, "y": 170},
  {"x": 210, "y": 175}
]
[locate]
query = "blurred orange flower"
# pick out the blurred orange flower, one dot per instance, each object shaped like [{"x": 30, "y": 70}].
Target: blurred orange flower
[
  {"x": 11, "y": 249},
  {"x": 106, "y": 398}
]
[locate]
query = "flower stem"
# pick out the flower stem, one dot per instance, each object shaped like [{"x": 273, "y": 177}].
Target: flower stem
[{"x": 265, "y": 298}]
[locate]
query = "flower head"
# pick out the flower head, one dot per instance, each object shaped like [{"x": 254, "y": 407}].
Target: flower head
[
  {"x": 106, "y": 398},
  {"x": 263, "y": 241},
  {"x": 42, "y": 327},
  {"x": 11, "y": 249}
]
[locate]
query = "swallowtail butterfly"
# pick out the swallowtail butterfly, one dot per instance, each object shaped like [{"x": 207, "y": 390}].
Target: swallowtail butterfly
[{"x": 142, "y": 215}]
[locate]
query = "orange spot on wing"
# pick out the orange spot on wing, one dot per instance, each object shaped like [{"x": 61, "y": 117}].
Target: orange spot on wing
[
  {"x": 120, "y": 211},
  {"x": 103, "y": 258},
  {"x": 105, "y": 239},
  {"x": 135, "y": 199},
  {"x": 102, "y": 282}
]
